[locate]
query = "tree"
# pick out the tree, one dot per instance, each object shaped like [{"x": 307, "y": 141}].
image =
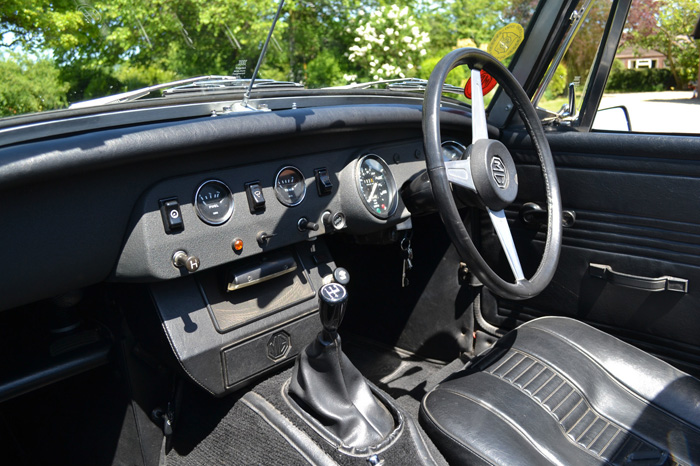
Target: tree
[
  {"x": 478, "y": 20},
  {"x": 584, "y": 47},
  {"x": 388, "y": 44},
  {"x": 91, "y": 40},
  {"x": 669, "y": 31},
  {"x": 29, "y": 86}
]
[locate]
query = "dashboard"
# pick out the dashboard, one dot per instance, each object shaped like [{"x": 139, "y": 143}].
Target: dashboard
[
  {"x": 221, "y": 221},
  {"x": 229, "y": 214}
]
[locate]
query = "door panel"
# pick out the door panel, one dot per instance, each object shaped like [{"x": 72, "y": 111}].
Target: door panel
[{"x": 637, "y": 205}]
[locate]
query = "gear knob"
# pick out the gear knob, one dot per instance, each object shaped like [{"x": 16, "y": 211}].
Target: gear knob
[{"x": 332, "y": 302}]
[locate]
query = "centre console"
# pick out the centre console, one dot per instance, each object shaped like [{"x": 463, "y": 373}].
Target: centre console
[{"x": 229, "y": 325}]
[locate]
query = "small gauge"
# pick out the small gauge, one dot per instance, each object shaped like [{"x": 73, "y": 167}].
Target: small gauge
[
  {"x": 213, "y": 202},
  {"x": 377, "y": 186},
  {"x": 290, "y": 186},
  {"x": 452, "y": 150}
]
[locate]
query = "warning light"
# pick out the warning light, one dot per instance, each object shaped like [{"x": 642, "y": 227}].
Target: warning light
[{"x": 237, "y": 244}]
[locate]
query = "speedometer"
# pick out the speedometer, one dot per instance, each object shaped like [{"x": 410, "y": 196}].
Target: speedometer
[{"x": 376, "y": 186}]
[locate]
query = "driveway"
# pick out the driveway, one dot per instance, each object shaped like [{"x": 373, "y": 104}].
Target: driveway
[{"x": 659, "y": 112}]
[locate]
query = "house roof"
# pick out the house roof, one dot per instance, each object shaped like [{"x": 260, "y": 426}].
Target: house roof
[{"x": 633, "y": 52}]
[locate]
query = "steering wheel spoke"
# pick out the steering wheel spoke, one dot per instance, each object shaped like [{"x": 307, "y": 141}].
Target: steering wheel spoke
[
  {"x": 490, "y": 173},
  {"x": 479, "y": 128},
  {"x": 460, "y": 172},
  {"x": 500, "y": 225}
]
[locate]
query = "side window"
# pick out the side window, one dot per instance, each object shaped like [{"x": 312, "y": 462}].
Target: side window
[
  {"x": 655, "y": 74},
  {"x": 562, "y": 89}
]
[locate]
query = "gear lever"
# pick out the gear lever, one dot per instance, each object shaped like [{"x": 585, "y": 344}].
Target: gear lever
[
  {"x": 332, "y": 302},
  {"x": 330, "y": 390}
]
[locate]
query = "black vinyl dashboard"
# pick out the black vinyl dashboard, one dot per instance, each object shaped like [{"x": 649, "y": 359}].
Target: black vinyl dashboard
[
  {"x": 199, "y": 208},
  {"x": 82, "y": 208}
]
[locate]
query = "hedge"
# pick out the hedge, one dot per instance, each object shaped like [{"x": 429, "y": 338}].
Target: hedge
[{"x": 640, "y": 80}]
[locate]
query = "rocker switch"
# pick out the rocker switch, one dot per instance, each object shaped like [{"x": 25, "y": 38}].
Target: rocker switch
[
  {"x": 256, "y": 200},
  {"x": 172, "y": 217},
  {"x": 323, "y": 182}
]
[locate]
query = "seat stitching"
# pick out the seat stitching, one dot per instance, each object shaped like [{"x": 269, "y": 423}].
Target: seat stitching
[
  {"x": 613, "y": 378},
  {"x": 523, "y": 372},
  {"x": 538, "y": 374},
  {"x": 562, "y": 402},
  {"x": 561, "y": 428},
  {"x": 579, "y": 420},
  {"x": 590, "y": 444},
  {"x": 589, "y": 425},
  {"x": 555, "y": 390},
  {"x": 512, "y": 368},
  {"x": 515, "y": 427},
  {"x": 611, "y": 440},
  {"x": 439, "y": 426},
  {"x": 504, "y": 362},
  {"x": 628, "y": 433},
  {"x": 554, "y": 374}
]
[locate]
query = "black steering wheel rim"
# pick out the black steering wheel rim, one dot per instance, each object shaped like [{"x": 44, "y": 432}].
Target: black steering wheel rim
[{"x": 442, "y": 191}]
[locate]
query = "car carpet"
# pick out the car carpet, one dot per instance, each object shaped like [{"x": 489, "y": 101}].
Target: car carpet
[
  {"x": 219, "y": 431},
  {"x": 240, "y": 438},
  {"x": 402, "y": 375}
]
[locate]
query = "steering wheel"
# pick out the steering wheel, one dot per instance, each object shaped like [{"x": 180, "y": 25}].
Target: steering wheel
[{"x": 489, "y": 172}]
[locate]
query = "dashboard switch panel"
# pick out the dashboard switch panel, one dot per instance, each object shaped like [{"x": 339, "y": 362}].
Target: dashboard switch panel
[
  {"x": 256, "y": 199},
  {"x": 172, "y": 217},
  {"x": 323, "y": 182}
]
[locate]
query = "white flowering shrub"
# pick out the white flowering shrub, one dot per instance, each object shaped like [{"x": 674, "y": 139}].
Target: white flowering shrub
[{"x": 388, "y": 44}]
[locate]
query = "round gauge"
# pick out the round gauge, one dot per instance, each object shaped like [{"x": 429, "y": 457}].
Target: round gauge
[
  {"x": 452, "y": 150},
  {"x": 290, "y": 186},
  {"x": 213, "y": 202},
  {"x": 377, "y": 186}
]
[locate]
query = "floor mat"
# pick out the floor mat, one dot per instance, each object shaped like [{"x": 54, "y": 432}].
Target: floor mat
[
  {"x": 402, "y": 375},
  {"x": 217, "y": 431}
]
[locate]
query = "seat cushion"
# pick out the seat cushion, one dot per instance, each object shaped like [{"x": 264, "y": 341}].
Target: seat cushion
[{"x": 557, "y": 391}]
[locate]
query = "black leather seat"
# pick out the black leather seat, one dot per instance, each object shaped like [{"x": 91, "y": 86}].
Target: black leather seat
[{"x": 557, "y": 391}]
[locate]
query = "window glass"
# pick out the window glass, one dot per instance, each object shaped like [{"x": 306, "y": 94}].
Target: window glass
[
  {"x": 655, "y": 73},
  {"x": 59, "y": 53},
  {"x": 575, "y": 67}
]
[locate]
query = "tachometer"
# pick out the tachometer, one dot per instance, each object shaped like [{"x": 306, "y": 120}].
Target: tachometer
[
  {"x": 290, "y": 186},
  {"x": 452, "y": 150},
  {"x": 213, "y": 202},
  {"x": 376, "y": 186}
]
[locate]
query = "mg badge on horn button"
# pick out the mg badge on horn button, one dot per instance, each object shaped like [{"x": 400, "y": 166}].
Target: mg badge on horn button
[{"x": 499, "y": 172}]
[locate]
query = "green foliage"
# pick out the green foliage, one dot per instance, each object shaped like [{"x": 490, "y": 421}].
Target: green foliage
[
  {"x": 324, "y": 71},
  {"x": 29, "y": 86},
  {"x": 89, "y": 82},
  {"x": 558, "y": 85},
  {"x": 136, "y": 77},
  {"x": 449, "y": 20},
  {"x": 669, "y": 31},
  {"x": 102, "y": 47},
  {"x": 456, "y": 77},
  {"x": 642, "y": 80},
  {"x": 583, "y": 49}
]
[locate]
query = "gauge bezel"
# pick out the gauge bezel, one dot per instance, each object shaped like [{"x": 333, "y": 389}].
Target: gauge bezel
[
  {"x": 388, "y": 175},
  {"x": 455, "y": 143},
  {"x": 229, "y": 211},
  {"x": 303, "y": 182}
]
